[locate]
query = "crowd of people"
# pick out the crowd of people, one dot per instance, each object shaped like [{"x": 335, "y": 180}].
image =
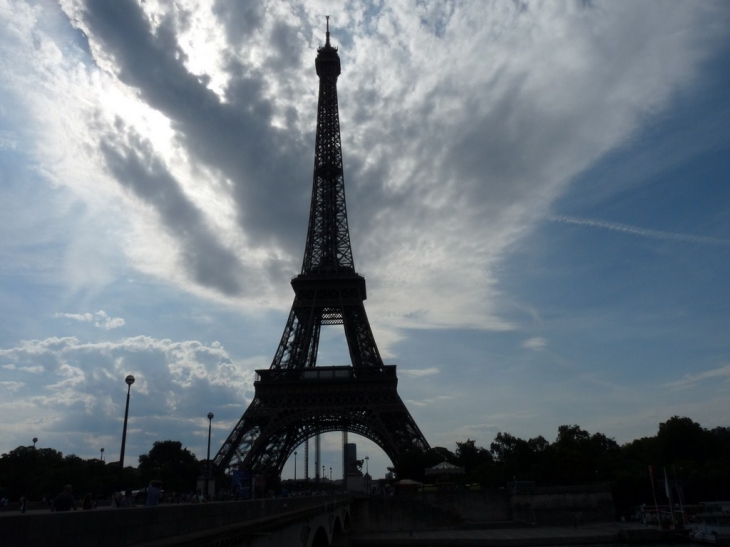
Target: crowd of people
[
  {"x": 151, "y": 496},
  {"x": 244, "y": 487}
]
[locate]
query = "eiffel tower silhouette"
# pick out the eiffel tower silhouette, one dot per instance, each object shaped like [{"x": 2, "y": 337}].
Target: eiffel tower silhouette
[{"x": 295, "y": 399}]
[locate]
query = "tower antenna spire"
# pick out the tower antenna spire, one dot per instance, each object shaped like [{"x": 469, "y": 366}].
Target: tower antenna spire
[{"x": 327, "y": 43}]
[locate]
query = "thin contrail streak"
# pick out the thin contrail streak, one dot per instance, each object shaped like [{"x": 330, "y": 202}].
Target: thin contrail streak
[{"x": 633, "y": 230}]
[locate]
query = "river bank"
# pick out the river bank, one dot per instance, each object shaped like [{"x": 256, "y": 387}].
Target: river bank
[{"x": 593, "y": 534}]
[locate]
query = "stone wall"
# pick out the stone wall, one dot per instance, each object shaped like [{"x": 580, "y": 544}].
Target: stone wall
[
  {"x": 133, "y": 526},
  {"x": 564, "y": 506},
  {"x": 567, "y": 506},
  {"x": 398, "y": 513},
  {"x": 485, "y": 505}
]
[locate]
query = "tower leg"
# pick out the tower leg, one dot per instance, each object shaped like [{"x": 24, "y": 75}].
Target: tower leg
[
  {"x": 344, "y": 459},
  {"x": 317, "y": 457}
]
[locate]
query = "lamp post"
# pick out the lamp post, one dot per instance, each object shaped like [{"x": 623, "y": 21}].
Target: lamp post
[
  {"x": 129, "y": 381},
  {"x": 295, "y": 468},
  {"x": 35, "y": 440},
  {"x": 323, "y": 475},
  {"x": 102, "y": 455},
  {"x": 330, "y": 474},
  {"x": 207, "y": 475}
]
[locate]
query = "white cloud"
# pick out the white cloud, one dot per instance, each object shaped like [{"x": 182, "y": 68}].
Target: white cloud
[
  {"x": 100, "y": 319},
  {"x": 418, "y": 372},
  {"x": 83, "y": 388},
  {"x": 458, "y": 134},
  {"x": 12, "y": 387},
  {"x": 717, "y": 374},
  {"x": 81, "y": 317},
  {"x": 535, "y": 343},
  {"x": 643, "y": 232},
  {"x": 103, "y": 321}
]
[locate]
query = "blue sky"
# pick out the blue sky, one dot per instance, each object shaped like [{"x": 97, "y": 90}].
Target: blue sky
[{"x": 537, "y": 193}]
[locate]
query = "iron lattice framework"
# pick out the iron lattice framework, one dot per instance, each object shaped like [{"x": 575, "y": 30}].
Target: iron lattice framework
[{"x": 294, "y": 399}]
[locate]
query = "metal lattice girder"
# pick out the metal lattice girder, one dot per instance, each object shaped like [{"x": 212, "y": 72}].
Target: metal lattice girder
[
  {"x": 328, "y": 248},
  {"x": 292, "y": 406},
  {"x": 295, "y": 399}
]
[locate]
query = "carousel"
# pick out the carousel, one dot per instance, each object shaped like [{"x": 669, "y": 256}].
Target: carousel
[{"x": 444, "y": 473}]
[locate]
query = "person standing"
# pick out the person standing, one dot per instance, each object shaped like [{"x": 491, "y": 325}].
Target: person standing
[
  {"x": 237, "y": 482},
  {"x": 65, "y": 500},
  {"x": 154, "y": 494}
]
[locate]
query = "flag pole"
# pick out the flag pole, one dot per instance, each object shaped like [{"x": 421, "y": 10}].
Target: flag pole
[
  {"x": 679, "y": 495},
  {"x": 653, "y": 493},
  {"x": 668, "y": 492}
]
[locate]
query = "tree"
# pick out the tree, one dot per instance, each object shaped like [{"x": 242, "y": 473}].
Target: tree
[
  {"x": 681, "y": 439},
  {"x": 32, "y": 471},
  {"x": 581, "y": 458},
  {"x": 515, "y": 457},
  {"x": 169, "y": 462},
  {"x": 476, "y": 461},
  {"x": 505, "y": 447},
  {"x": 412, "y": 464}
]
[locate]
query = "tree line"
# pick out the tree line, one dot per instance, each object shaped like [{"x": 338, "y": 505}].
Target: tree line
[
  {"x": 696, "y": 461},
  {"x": 40, "y": 473}
]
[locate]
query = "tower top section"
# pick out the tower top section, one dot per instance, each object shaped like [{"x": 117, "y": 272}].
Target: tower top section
[
  {"x": 328, "y": 249},
  {"x": 327, "y": 62}
]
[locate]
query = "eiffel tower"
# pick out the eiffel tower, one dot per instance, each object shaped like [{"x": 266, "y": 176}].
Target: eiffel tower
[{"x": 295, "y": 399}]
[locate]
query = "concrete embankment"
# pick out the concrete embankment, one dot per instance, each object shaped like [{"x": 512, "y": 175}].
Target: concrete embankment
[
  {"x": 607, "y": 533},
  {"x": 152, "y": 525}
]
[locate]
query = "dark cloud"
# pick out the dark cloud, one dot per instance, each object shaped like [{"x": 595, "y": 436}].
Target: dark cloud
[
  {"x": 240, "y": 19},
  {"x": 135, "y": 167},
  {"x": 270, "y": 167},
  {"x": 285, "y": 41}
]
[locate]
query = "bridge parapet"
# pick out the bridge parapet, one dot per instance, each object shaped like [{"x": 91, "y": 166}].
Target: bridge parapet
[{"x": 178, "y": 525}]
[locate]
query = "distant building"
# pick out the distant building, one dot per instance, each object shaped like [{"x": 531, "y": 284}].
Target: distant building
[{"x": 352, "y": 465}]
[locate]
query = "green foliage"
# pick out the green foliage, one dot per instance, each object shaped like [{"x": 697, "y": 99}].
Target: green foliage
[
  {"x": 412, "y": 465},
  {"x": 169, "y": 462},
  {"x": 518, "y": 459},
  {"x": 682, "y": 439},
  {"x": 581, "y": 458},
  {"x": 696, "y": 458},
  {"x": 44, "y": 472},
  {"x": 471, "y": 456}
]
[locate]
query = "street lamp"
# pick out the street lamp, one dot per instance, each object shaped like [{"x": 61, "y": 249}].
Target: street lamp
[
  {"x": 207, "y": 475},
  {"x": 102, "y": 455},
  {"x": 295, "y": 468},
  {"x": 323, "y": 475},
  {"x": 35, "y": 440},
  {"x": 129, "y": 381},
  {"x": 330, "y": 474}
]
